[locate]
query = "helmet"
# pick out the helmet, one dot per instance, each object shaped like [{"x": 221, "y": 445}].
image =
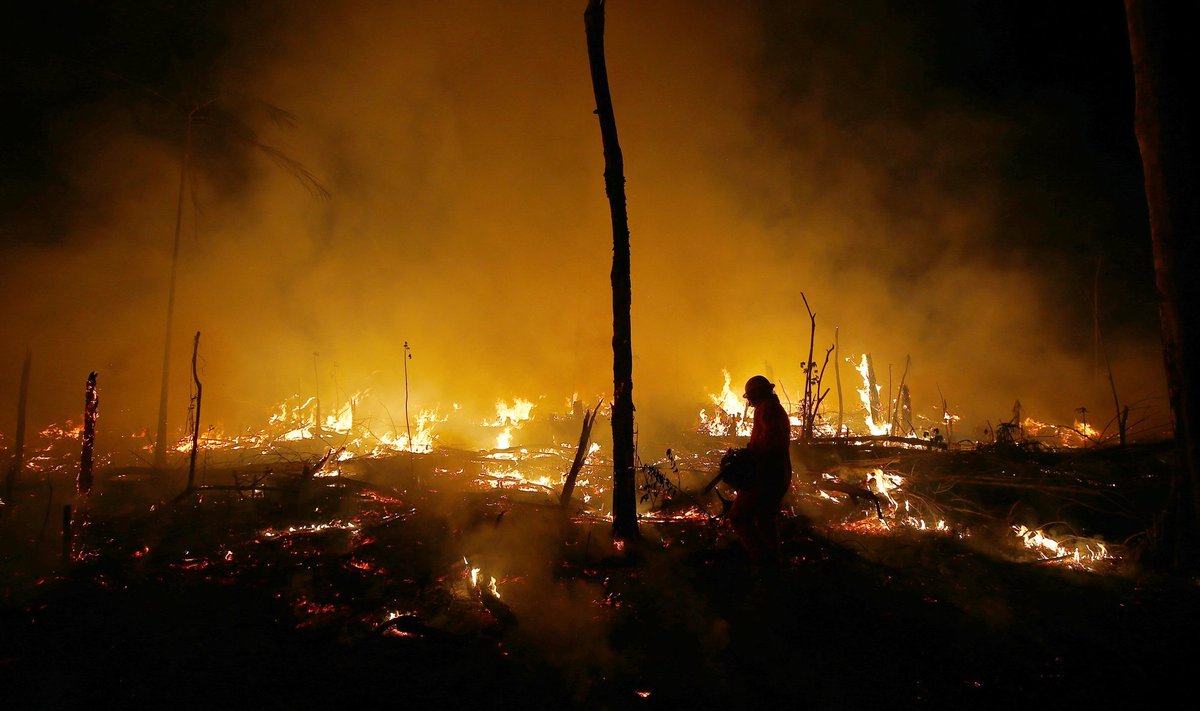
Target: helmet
[{"x": 758, "y": 385}]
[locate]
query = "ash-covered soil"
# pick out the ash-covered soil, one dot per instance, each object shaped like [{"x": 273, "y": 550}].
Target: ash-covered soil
[{"x": 403, "y": 584}]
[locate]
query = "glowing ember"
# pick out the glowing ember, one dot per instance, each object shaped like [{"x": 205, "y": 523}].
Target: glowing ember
[{"x": 310, "y": 528}]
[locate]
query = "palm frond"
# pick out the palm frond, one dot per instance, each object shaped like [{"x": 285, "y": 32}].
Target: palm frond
[
  {"x": 297, "y": 169},
  {"x": 282, "y": 118}
]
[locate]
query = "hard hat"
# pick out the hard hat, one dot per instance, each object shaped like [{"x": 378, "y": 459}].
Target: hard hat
[{"x": 760, "y": 385}]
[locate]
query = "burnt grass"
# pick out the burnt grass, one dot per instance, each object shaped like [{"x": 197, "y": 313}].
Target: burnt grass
[{"x": 210, "y": 601}]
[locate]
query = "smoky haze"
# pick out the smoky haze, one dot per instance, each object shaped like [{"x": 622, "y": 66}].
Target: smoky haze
[{"x": 768, "y": 154}]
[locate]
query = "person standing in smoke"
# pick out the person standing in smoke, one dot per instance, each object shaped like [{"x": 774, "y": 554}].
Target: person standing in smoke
[{"x": 755, "y": 513}]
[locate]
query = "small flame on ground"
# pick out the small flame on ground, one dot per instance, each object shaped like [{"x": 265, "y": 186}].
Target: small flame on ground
[
  {"x": 473, "y": 573},
  {"x": 1051, "y": 549}
]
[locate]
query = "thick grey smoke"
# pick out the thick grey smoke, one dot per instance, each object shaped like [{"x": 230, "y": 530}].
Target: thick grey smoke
[{"x": 468, "y": 217}]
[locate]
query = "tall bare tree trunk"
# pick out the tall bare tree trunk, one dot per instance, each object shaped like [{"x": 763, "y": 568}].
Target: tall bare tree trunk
[
  {"x": 1165, "y": 122},
  {"x": 160, "y": 439},
  {"x": 624, "y": 484}
]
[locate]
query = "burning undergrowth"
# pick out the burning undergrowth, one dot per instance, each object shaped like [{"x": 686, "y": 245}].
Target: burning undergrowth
[{"x": 350, "y": 544}]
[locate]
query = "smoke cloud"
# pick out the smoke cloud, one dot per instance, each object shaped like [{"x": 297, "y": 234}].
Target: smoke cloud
[{"x": 769, "y": 154}]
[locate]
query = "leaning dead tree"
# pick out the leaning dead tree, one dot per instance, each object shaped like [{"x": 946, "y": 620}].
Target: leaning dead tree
[
  {"x": 1165, "y": 122},
  {"x": 581, "y": 452},
  {"x": 624, "y": 471}
]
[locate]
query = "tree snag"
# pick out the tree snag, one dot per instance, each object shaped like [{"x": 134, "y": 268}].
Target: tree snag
[
  {"x": 624, "y": 484},
  {"x": 91, "y": 406},
  {"x": 1165, "y": 125}
]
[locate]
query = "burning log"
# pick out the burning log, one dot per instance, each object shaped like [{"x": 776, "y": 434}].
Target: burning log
[
  {"x": 495, "y": 606},
  {"x": 18, "y": 462},
  {"x": 854, "y": 492},
  {"x": 581, "y": 452},
  {"x": 91, "y": 404}
]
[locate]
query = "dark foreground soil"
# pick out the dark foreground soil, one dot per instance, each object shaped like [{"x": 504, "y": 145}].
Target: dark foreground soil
[{"x": 214, "y": 602}]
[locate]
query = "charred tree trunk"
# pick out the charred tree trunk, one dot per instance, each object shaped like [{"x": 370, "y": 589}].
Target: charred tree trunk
[
  {"x": 91, "y": 406},
  {"x": 624, "y": 484},
  {"x": 897, "y": 419},
  {"x": 18, "y": 461},
  {"x": 195, "y": 415},
  {"x": 904, "y": 410},
  {"x": 1165, "y": 122},
  {"x": 877, "y": 417}
]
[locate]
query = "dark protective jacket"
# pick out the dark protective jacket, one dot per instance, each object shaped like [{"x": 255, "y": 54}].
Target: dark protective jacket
[{"x": 769, "y": 440}]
